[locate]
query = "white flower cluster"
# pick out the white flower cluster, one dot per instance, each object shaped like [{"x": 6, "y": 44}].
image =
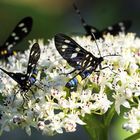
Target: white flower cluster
[
  {"x": 133, "y": 117},
  {"x": 52, "y": 108}
]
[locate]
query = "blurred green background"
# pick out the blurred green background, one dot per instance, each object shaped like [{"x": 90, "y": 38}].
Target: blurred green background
[{"x": 53, "y": 16}]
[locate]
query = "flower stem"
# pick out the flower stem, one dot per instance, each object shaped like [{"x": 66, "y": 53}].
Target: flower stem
[
  {"x": 95, "y": 128},
  {"x": 98, "y": 126},
  {"x": 109, "y": 115},
  {"x": 134, "y": 136}
]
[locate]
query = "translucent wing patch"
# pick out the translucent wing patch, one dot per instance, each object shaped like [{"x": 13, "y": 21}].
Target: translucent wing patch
[
  {"x": 33, "y": 58},
  {"x": 18, "y": 77},
  {"x": 73, "y": 53},
  {"x": 115, "y": 29},
  {"x": 90, "y": 29},
  {"x": 21, "y": 30},
  {"x": 23, "y": 79}
]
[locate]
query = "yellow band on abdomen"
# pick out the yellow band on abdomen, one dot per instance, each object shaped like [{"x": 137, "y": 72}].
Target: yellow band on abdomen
[{"x": 79, "y": 78}]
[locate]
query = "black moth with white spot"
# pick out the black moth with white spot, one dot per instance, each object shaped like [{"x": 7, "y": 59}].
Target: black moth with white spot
[
  {"x": 21, "y": 30},
  {"x": 83, "y": 61},
  {"x": 115, "y": 29},
  {"x": 28, "y": 79}
]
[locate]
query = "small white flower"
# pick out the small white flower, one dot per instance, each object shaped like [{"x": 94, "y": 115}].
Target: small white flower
[
  {"x": 70, "y": 122},
  {"x": 52, "y": 108},
  {"x": 101, "y": 102},
  {"x": 120, "y": 99},
  {"x": 133, "y": 120},
  {"x": 41, "y": 125},
  {"x": 70, "y": 126}
]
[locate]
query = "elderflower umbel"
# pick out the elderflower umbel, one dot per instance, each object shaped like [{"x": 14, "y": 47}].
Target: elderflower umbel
[{"x": 54, "y": 108}]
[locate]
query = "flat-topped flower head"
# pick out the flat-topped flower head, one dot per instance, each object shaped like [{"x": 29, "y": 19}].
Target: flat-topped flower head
[{"x": 53, "y": 108}]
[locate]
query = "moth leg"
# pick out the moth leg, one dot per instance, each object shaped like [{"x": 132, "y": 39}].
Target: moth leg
[
  {"x": 33, "y": 94},
  {"x": 23, "y": 100},
  {"x": 68, "y": 72},
  {"x": 25, "y": 97},
  {"x": 110, "y": 69},
  {"x": 78, "y": 74},
  {"x": 15, "y": 96},
  {"x": 101, "y": 68},
  {"x": 39, "y": 87},
  {"x": 40, "y": 84}
]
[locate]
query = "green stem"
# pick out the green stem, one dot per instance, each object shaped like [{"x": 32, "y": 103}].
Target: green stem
[
  {"x": 95, "y": 128},
  {"x": 133, "y": 137},
  {"x": 98, "y": 126},
  {"x": 108, "y": 117}
]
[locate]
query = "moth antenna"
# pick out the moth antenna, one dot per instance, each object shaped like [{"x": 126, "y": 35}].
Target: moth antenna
[
  {"x": 79, "y": 14},
  {"x": 96, "y": 43},
  {"x": 111, "y": 55}
]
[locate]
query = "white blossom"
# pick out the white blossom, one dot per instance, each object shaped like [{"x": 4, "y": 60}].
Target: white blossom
[{"x": 54, "y": 108}]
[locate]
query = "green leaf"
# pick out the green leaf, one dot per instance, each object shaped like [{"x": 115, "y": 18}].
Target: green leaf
[{"x": 134, "y": 136}]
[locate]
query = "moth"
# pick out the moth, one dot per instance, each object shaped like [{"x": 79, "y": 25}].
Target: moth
[
  {"x": 27, "y": 80},
  {"x": 21, "y": 30},
  {"x": 114, "y": 29},
  {"x": 80, "y": 59}
]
